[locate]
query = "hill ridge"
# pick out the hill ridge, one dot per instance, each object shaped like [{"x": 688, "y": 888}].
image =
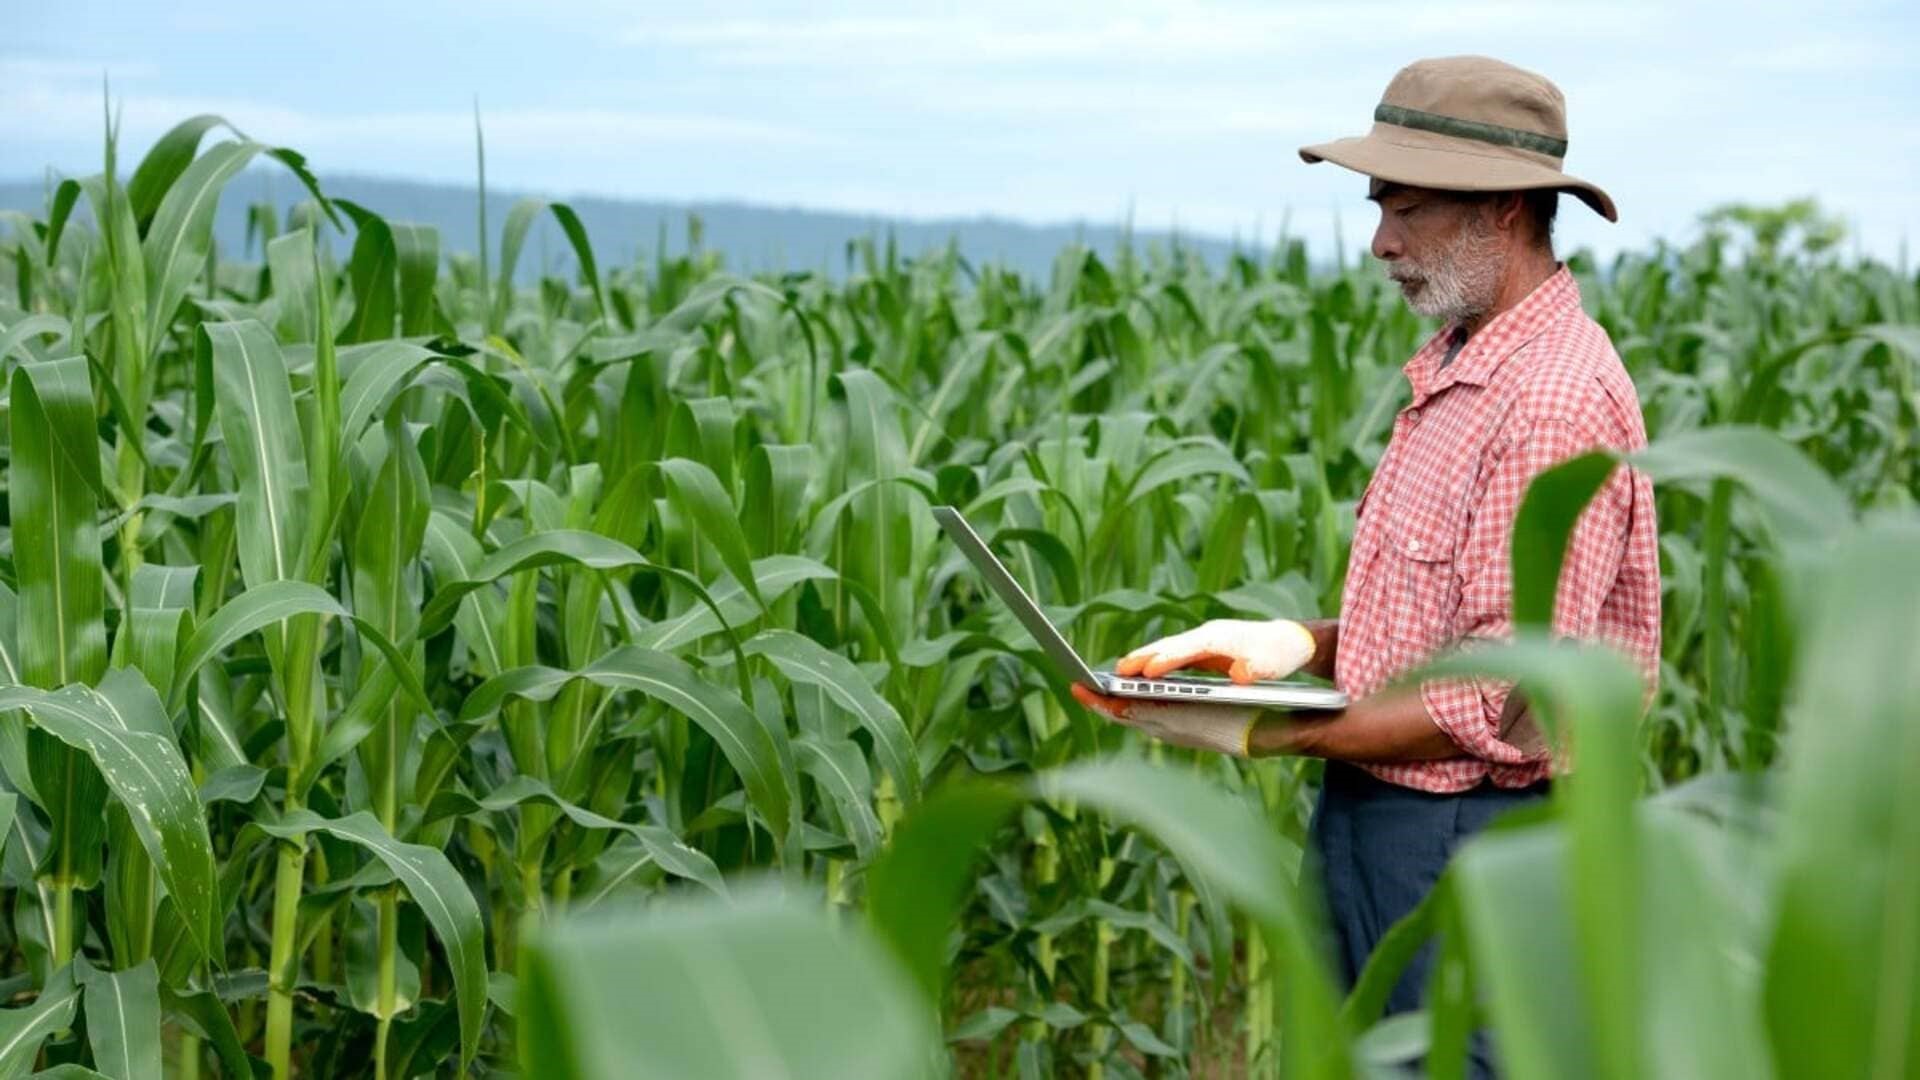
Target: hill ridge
[{"x": 748, "y": 236}]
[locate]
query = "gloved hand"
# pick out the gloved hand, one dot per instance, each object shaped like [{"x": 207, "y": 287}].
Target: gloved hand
[
  {"x": 1222, "y": 728},
  {"x": 1244, "y": 650}
]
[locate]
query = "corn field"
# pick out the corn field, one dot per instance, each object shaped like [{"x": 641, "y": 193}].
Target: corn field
[{"x": 416, "y": 667}]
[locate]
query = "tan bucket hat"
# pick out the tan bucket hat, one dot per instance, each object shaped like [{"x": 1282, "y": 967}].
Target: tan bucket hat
[{"x": 1466, "y": 123}]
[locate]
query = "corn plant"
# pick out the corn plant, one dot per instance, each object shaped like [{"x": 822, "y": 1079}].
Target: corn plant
[{"x": 421, "y": 662}]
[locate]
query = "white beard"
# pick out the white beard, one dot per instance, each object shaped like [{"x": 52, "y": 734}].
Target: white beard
[{"x": 1463, "y": 280}]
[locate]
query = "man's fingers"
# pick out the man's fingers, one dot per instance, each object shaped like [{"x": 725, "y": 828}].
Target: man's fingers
[
  {"x": 1199, "y": 658},
  {"x": 1240, "y": 673},
  {"x": 1111, "y": 707},
  {"x": 1142, "y": 658},
  {"x": 1160, "y": 663}
]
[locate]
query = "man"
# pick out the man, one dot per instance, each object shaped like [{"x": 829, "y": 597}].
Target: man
[{"x": 1464, "y": 160}]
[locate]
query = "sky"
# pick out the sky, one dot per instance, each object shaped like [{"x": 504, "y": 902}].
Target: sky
[{"x": 1182, "y": 115}]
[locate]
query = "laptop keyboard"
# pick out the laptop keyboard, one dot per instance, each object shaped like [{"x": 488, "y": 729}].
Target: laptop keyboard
[{"x": 1166, "y": 686}]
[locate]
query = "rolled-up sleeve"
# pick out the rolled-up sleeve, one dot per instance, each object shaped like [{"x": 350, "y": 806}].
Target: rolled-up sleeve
[{"x": 1469, "y": 710}]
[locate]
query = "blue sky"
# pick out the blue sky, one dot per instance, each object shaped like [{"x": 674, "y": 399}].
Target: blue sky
[{"x": 1181, "y": 113}]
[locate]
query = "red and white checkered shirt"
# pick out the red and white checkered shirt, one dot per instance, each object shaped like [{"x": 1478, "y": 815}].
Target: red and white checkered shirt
[{"x": 1538, "y": 384}]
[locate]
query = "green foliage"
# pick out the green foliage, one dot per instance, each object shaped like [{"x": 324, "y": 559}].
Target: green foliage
[
  {"x": 1775, "y": 231},
  {"x": 408, "y": 672}
]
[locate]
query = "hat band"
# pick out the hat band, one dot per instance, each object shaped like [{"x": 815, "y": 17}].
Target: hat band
[{"x": 1471, "y": 129}]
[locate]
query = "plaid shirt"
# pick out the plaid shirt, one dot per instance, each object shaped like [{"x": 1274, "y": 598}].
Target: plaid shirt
[{"x": 1538, "y": 384}]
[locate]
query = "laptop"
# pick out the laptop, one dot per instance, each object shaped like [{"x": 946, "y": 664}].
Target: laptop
[{"x": 1273, "y": 695}]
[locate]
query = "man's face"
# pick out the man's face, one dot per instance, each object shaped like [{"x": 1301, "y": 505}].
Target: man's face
[{"x": 1441, "y": 248}]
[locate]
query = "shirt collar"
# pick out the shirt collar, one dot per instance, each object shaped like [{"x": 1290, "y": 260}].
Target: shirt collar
[{"x": 1501, "y": 337}]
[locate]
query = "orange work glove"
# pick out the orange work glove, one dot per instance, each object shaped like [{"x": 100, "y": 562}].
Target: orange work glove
[{"x": 1244, "y": 650}]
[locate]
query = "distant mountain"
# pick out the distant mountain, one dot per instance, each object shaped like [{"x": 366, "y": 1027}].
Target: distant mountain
[{"x": 748, "y": 237}]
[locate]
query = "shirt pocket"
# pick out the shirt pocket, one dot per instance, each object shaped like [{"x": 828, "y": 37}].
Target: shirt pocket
[{"x": 1421, "y": 549}]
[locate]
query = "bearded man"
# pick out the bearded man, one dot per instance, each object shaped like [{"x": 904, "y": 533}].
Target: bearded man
[{"x": 1464, "y": 161}]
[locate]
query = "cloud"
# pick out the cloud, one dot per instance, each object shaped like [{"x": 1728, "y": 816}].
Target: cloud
[
  {"x": 1827, "y": 54},
  {"x": 1066, "y": 110},
  {"x": 61, "y": 103},
  {"x": 19, "y": 69},
  {"x": 1121, "y": 33}
]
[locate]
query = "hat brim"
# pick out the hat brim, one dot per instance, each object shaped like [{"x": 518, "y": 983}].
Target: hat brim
[{"x": 1452, "y": 169}]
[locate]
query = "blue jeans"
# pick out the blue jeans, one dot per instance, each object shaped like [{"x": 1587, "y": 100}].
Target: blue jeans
[{"x": 1379, "y": 848}]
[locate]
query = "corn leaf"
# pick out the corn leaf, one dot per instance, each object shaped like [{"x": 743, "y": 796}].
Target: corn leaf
[
  {"x": 916, "y": 886},
  {"x": 268, "y": 605},
  {"x": 22, "y": 1030},
  {"x": 52, "y": 501},
  {"x": 115, "y": 728},
  {"x": 662, "y": 847},
  {"x": 1589, "y": 698},
  {"x": 255, "y": 404},
  {"x": 123, "y": 1021},
  {"x": 774, "y": 576},
  {"x": 696, "y": 491},
  {"x": 1850, "y": 849},
  {"x": 174, "y": 244},
  {"x": 749, "y": 746},
  {"x": 1221, "y": 840},
  {"x": 764, "y": 988},
  {"x": 434, "y": 885},
  {"x": 806, "y": 662},
  {"x": 839, "y": 767}
]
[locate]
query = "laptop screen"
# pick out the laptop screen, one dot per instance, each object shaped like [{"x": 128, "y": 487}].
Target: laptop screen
[{"x": 1009, "y": 590}]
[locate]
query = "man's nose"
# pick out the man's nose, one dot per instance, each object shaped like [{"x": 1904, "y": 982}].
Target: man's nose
[{"x": 1386, "y": 243}]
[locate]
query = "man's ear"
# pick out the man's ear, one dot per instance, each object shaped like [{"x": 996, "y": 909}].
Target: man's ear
[{"x": 1509, "y": 209}]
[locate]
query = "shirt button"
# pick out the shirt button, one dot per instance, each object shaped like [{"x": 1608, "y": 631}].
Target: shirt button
[
  {"x": 1413, "y": 416},
  {"x": 1413, "y": 545}
]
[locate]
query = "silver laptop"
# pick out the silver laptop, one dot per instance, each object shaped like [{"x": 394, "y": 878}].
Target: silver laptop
[{"x": 1278, "y": 695}]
